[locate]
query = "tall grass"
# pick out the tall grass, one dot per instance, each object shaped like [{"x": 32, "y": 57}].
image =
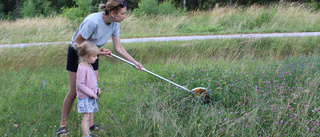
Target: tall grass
[
  {"x": 149, "y": 52},
  {"x": 280, "y": 17},
  {"x": 38, "y": 29},
  {"x": 258, "y": 87}
]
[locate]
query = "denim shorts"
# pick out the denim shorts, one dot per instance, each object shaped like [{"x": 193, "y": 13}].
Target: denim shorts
[{"x": 73, "y": 60}]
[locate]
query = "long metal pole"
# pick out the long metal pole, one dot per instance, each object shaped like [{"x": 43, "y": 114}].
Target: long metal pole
[{"x": 145, "y": 70}]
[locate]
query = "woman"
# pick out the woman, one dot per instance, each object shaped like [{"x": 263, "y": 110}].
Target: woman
[{"x": 96, "y": 28}]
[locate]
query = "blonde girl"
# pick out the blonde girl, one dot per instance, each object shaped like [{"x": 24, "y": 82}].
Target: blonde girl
[{"x": 86, "y": 84}]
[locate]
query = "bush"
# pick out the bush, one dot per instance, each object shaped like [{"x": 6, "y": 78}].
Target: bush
[
  {"x": 33, "y": 8},
  {"x": 152, "y": 8},
  {"x": 167, "y": 8},
  {"x": 83, "y": 9},
  {"x": 2, "y": 15},
  {"x": 315, "y": 4}
]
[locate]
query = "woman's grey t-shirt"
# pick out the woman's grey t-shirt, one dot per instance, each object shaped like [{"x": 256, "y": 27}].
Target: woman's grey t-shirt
[{"x": 95, "y": 30}]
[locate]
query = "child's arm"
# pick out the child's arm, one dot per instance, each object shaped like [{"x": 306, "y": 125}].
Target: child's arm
[{"x": 80, "y": 83}]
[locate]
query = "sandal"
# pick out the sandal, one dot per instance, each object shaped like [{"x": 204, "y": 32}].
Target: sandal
[
  {"x": 94, "y": 127},
  {"x": 60, "y": 131}
]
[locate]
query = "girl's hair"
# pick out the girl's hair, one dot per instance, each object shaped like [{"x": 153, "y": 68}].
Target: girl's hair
[
  {"x": 112, "y": 5},
  {"x": 86, "y": 48}
]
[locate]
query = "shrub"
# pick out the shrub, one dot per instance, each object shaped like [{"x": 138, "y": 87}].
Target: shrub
[
  {"x": 1, "y": 11},
  {"x": 315, "y": 4},
  {"x": 83, "y": 9},
  {"x": 152, "y": 8},
  {"x": 33, "y": 8}
]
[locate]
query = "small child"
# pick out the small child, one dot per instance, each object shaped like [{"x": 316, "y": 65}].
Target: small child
[{"x": 86, "y": 84}]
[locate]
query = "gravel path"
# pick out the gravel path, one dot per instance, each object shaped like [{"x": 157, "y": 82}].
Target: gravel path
[{"x": 184, "y": 38}]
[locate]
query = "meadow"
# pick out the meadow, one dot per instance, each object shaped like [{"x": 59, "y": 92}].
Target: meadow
[{"x": 257, "y": 86}]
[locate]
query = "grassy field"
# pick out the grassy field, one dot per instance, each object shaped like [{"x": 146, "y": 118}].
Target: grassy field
[{"x": 257, "y": 86}]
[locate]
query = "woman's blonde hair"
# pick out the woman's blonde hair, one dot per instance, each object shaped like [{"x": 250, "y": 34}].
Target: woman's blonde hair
[
  {"x": 86, "y": 48},
  {"x": 110, "y": 6}
]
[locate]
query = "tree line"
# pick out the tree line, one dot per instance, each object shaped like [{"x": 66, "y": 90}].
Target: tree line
[{"x": 30, "y": 8}]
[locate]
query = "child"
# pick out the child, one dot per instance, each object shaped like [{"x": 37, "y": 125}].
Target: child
[{"x": 86, "y": 84}]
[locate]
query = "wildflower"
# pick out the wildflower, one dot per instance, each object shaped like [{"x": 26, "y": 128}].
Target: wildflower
[{"x": 15, "y": 125}]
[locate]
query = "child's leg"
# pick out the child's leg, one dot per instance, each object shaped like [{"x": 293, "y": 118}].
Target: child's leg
[
  {"x": 91, "y": 120},
  {"x": 85, "y": 123}
]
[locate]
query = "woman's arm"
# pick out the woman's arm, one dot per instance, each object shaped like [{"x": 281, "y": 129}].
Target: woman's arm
[
  {"x": 117, "y": 46},
  {"x": 79, "y": 39}
]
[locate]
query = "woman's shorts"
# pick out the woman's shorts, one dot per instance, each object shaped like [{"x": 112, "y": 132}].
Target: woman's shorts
[
  {"x": 73, "y": 60},
  {"x": 87, "y": 105}
]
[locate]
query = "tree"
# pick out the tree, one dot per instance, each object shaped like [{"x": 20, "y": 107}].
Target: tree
[{"x": 2, "y": 15}]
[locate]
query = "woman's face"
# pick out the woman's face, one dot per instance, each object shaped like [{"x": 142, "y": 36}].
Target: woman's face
[{"x": 121, "y": 15}]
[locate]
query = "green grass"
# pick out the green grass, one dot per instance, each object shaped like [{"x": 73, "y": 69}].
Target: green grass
[
  {"x": 258, "y": 86},
  {"x": 266, "y": 86}
]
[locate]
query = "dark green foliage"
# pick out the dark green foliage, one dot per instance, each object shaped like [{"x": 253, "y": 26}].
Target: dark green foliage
[
  {"x": 315, "y": 4},
  {"x": 2, "y": 15},
  {"x": 79, "y": 12},
  {"x": 152, "y": 8},
  {"x": 34, "y": 8}
]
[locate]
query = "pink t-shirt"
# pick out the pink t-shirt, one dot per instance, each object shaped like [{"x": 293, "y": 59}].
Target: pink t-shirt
[{"x": 86, "y": 82}]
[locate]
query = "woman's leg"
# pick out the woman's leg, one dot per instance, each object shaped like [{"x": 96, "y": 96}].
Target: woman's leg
[
  {"x": 69, "y": 99},
  {"x": 85, "y": 123}
]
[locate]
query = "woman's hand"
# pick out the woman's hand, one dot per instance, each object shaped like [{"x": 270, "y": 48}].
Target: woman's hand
[
  {"x": 105, "y": 52},
  {"x": 138, "y": 65}
]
